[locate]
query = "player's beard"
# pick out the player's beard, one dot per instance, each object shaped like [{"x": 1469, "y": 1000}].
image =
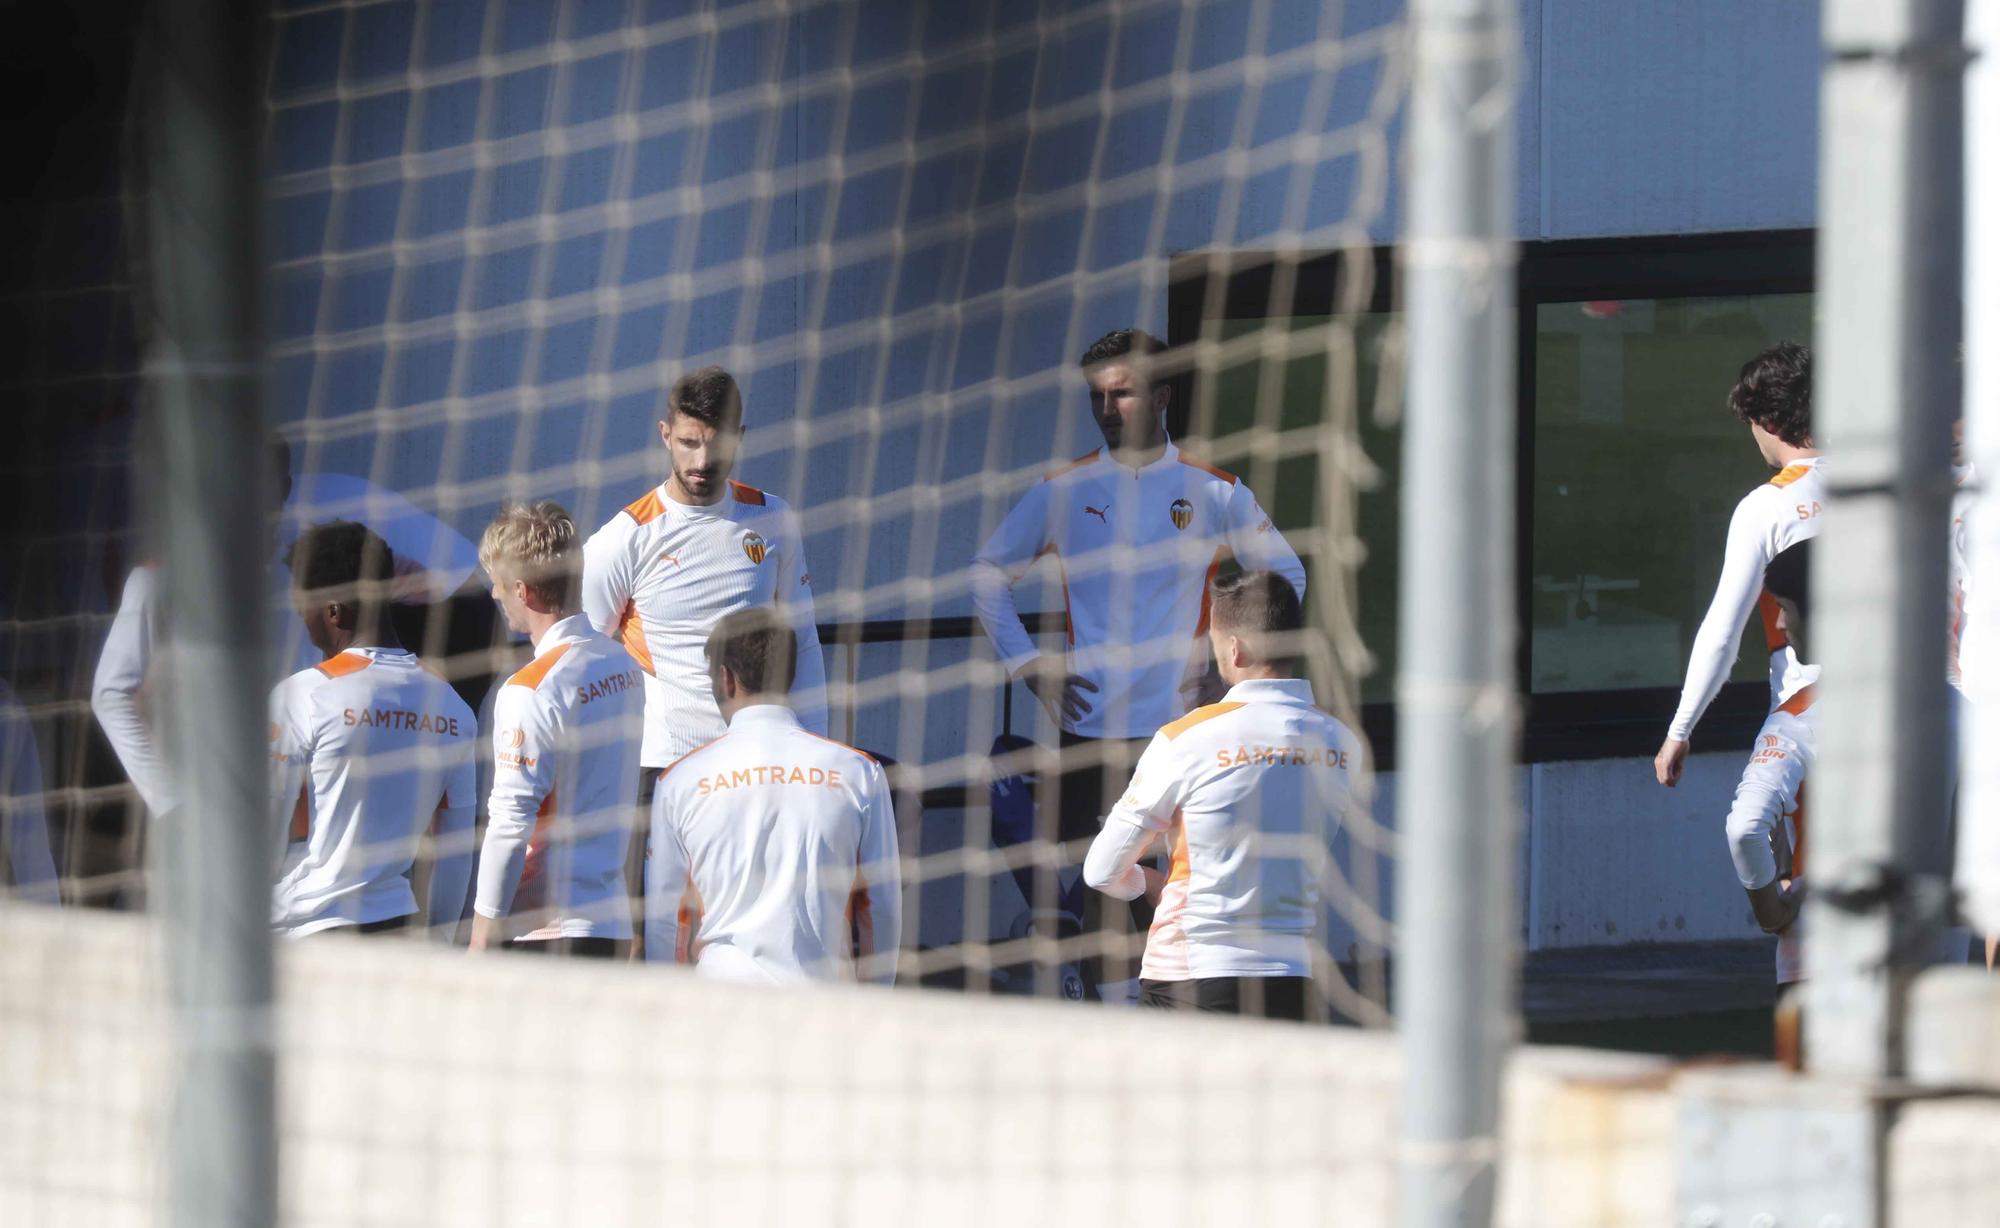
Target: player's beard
[{"x": 702, "y": 484}]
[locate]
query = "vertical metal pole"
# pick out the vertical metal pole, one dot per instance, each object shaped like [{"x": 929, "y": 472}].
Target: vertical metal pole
[
  {"x": 210, "y": 505},
  {"x": 1890, "y": 183},
  {"x": 1456, "y": 706}
]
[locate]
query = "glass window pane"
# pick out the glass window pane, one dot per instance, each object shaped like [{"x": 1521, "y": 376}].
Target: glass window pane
[{"x": 1638, "y": 465}]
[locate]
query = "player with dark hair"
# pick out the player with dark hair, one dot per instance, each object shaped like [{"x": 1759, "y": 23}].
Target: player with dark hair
[
  {"x": 662, "y": 572},
  {"x": 1247, "y": 792},
  {"x": 1773, "y": 396},
  {"x": 369, "y": 749},
  {"x": 777, "y": 845},
  {"x": 1137, "y": 529}
]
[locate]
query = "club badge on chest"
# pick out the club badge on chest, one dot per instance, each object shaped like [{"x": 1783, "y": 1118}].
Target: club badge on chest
[
  {"x": 754, "y": 546},
  {"x": 1182, "y": 513}
]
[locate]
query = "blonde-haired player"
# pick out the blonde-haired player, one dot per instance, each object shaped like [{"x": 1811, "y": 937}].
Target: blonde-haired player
[
  {"x": 565, "y": 754},
  {"x": 369, "y": 750},
  {"x": 781, "y": 842},
  {"x": 1248, "y": 792}
]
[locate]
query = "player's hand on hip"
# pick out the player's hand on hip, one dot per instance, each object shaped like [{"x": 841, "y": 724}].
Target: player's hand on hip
[
  {"x": 1668, "y": 763},
  {"x": 1060, "y": 691}
]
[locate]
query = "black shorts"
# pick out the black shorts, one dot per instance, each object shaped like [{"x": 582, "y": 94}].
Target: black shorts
[
  {"x": 1261, "y": 997},
  {"x": 576, "y": 948}
]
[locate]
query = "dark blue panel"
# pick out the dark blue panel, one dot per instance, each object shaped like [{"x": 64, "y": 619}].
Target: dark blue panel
[
  {"x": 1138, "y": 136},
  {"x": 294, "y": 304},
  {"x": 805, "y": 130},
  {"x": 1333, "y": 188},
  {"x": 352, "y": 382},
  {"x": 844, "y": 381},
  {"x": 732, "y": 147},
  {"x": 1049, "y": 246},
  {"x": 451, "y": 115},
  {"x": 1000, "y": 171},
  {"x": 818, "y": 34},
  {"x": 441, "y": 204},
  {"x": 1037, "y": 340},
  {"x": 857, "y": 291},
  {"x": 940, "y": 185},
  {"x": 375, "y": 126},
  {"x": 526, "y": 25},
  {"x": 593, "y": 87},
  {"x": 577, "y": 264},
  {"x": 413, "y": 454},
  {"x": 639, "y": 337},
  {"x": 558, "y": 434},
  {"x": 495, "y": 362},
  {"x": 1073, "y": 65},
  {"x": 1354, "y": 92},
  {"x": 949, "y": 101},
  {"x": 1221, "y": 29},
  {"x": 515, "y": 191},
  {"x": 1112, "y": 300},
  {"x": 291, "y": 386},
  {"x": 1192, "y": 212},
  {"x": 504, "y": 278},
  {"x": 589, "y": 19},
  {"x": 796, "y": 221},
  {"x": 1147, "y": 45},
  {"x": 1010, "y": 86},
  {"x": 430, "y": 290},
  {"x": 1208, "y": 123},
  {"x": 1281, "y": 109},
  {"x": 987, "y": 260},
  {"x": 712, "y": 322},
  {"x": 423, "y": 372},
  {"x": 742, "y": 58},
  {"x": 308, "y": 55},
  {"x": 925, "y": 273},
  {"x": 978, "y": 345},
  {"x": 379, "y": 40},
  {"x": 586, "y": 178},
  {"x": 669, "y": 73},
  {"x": 882, "y": 32},
  {"x": 868, "y": 203},
  {"x": 521, "y": 102},
  {"x": 659, "y": 164},
  {"x": 566, "y": 354},
  {"x": 1121, "y": 232},
  {"x": 453, "y": 30},
  {"x": 909, "y": 367},
  {"x": 1292, "y": 24},
  {"x": 1060, "y": 156},
  {"x": 302, "y": 137},
  {"x": 360, "y": 300},
  {"x": 368, "y": 216},
  {"x": 298, "y": 225},
  {"x": 721, "y": 236},
  {"x": 1260, "y": 214},
  {"x": 877, "y": 115},
  {"x": 649, "y": 251},
  {"x": 779, "y": 304}
]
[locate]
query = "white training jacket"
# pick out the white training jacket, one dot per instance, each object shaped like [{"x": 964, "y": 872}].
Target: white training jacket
[
  {"x": 1136, "y": 549},
  {"x": 788, "y": 841},
  {"x": 1770, "y": 808},
  {"x": 565, "y": 772},
  {"x": 1766, "y": 521},
  {"x": 661, "y": 573},
  {"x": 1248, "y": 793},
  {"x": 369, "y": 750}
]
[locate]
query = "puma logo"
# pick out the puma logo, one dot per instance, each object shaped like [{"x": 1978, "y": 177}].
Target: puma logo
[
  {"x": 1097, "y": 512},
  {"x": 671, "y": 558}
]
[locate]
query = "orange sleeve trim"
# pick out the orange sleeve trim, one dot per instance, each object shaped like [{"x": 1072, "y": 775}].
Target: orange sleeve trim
[
  {"x": 632, "y": 634},
  {"x": 853, "y": 750},
  {"x": 1176, "y": 728},
  {"x": 1207, "y": 580},
  {"x": 1205, "y": 467},
  {"x": 1069, "y": 618},
  {"x": 1177, "y": 867},
  {"x": 1798, "y": 703},
  {"x": 1790, "y": 474},
  {"x": 1767, "y": 609},
  {"x": 301, "y": 827},
  {"x": 1078, "y": 463},
  {"x": 747, "y": 494},
  {"x": 531, "y": 674},
  {"x": 344, "y": 664},
  {"x": 646, "y": 507}
]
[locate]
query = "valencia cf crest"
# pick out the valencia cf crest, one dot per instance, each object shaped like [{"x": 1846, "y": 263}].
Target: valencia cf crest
[
  {"x": 1183, "y": 513},
  {"x": 753, "y": 546}
]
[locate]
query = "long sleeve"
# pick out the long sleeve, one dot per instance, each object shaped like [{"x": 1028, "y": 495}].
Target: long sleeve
[
  {"x": 879, "y": 880},
  {"x": 795, "y": 603},
  {"x": 607, "y": 574},
  {"x": 1146, "y": 809},
  {"x": 666, "y": 880},
  {"x": 1257, "y": 543},
  {"x": 291, "y": 738},
  {"x": 117, "y": 689},
  {"x": 451, "y": 844},
  {"x": 24, "y": 827},
  {"x": 999, "y": 565},
  {"x": 1721, "y": 628},
  {"x": 522, "y": 776}
]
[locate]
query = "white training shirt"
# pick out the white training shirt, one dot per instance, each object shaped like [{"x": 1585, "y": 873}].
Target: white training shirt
[
  {"x": 789, "y": 841},
  {"x": 660, "y": 574},
  {"x": 565, "y": 775},
  {"x": 1770, "y": 807},
  {"x": 366, "y": 747},
  {"x": 1766, "y": 521},
  {"x": 1248, "y": 792},
  {"x": 1963, "y": 500},
  {"x": 1136, "y": 549}
]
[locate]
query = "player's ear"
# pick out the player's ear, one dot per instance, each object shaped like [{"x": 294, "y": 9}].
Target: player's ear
[{"x": 1162, "y": 396}]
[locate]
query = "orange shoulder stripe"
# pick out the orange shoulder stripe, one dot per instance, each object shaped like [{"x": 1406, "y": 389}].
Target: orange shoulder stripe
[
  {"x": 1790, "y": 474},
  {"x": 531, "y": 674},
  {"x": 1078, "y": 463},
  {"x": 746, "y": 494},
  {"x": 1798, "y": 703},
  {"x": 342, "y": 664},
  {"x": 1176, "y": 728},
  {"x": 691, "y": 754},
  {"x": 1205, "y": 467},
  {"x": 646, "y": 507},
  {"x": 856, "y": 750}
]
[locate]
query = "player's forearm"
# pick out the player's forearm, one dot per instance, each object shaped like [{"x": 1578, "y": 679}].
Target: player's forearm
[
  {"x": 1715, "y": 640},
  {"x": 993, "y": 603},
  {"x": 1112, "y": 864},
  {"x": 118, "y": 714},
  {"x": 501, "y": 857},
  {"x": 451, "y": 870}
]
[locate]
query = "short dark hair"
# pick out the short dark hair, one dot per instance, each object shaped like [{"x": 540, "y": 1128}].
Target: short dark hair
[
  {"x": 344, "y": 560},
  {"x": 1788, "y": 576},
  {"x": 1774, "y": 391},
  {"x": 758, "y": 647},
  {"x": 708, "y": 395},
  {"x": 1120, "y": 343},
  {"x": 1260, "y": 606}
]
